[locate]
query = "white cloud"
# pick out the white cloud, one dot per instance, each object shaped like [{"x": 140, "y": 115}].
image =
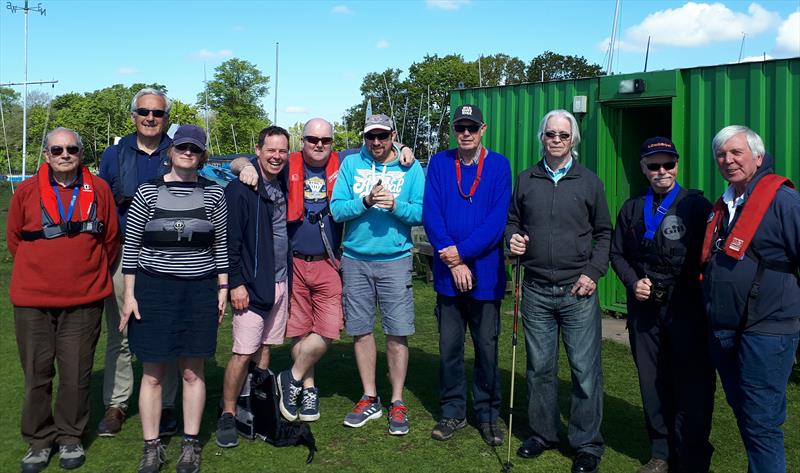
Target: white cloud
[
  {"x": 788, "y": 40},
  {"x": 127, "y": 71},
  {"x": 762, "y": 57},
  {"x": 697, "y": 24},
  {"x": 448, "y": 5},
  {"x": 342, "y": 10},
  {"x": 382, "y": 44},
  {"x": 296, "y": 109},
  {"x": 206, "y": 54}
]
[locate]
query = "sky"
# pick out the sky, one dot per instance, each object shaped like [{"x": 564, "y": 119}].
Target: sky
[{"x": 327, "y": 47}]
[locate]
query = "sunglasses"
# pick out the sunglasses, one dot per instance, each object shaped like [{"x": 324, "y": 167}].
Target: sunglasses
[
  {"x": 562, "y": 136},
  {"x": 191, "y": 147},
  {"x": 472, "y": 128},
  {"x": 59, "y": 150},
  {"x": 668, "y": 166},
  {"x": 326, "y": 140},
  {"x": 143, "y": 112},
  {"x": 377, "y": 136}
]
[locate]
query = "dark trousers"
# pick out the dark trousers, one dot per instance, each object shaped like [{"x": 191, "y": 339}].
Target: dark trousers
[
  {"x": 454, "y": 315},
  {"x": 67, "y": 336},
  {"x": 677, "y": 383},
  {"x": 754, "y": 370}
]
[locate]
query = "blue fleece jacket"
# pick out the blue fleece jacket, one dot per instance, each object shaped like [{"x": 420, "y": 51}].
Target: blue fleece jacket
[
  {"x": 475, "y": 228},
  {"x": 375, "y": 234}
]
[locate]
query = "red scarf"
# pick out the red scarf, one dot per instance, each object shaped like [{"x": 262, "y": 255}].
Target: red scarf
[
  {"x": 296, "y": 204},
  {"x": 50, "y": 202}
]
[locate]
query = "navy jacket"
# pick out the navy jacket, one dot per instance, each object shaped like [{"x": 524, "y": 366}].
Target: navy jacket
[
  {"x": 251, "y": 255},
  {"x": 727, "y": 282}
]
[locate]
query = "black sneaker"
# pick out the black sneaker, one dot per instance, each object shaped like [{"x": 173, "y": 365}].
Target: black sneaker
[
  {"x": 290, "y": 391},
  {"x": 36, "y": 459},
  {"x": 71, "y": 456},
  {"x": 169, "y": 423},
  {"x": 491, "y": 434},
  {"x": 189, "y": 460},
  {"x": 153, "y": 457},
  {"x": 227, "y": 435},
  {"x": 446, "y": 428},
  {"x": 309, "y": 405}
]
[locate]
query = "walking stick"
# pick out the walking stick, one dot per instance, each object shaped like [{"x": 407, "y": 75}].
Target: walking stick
[{"x": 508, "y": 465}]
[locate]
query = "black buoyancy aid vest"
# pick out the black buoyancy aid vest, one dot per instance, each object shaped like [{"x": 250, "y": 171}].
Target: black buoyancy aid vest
[
  {"x": 179, "y": 222},
  {"x": 663, "y": 257},
  {"x": 84, "y": 193},
  {"x": 127, "y": 160}
]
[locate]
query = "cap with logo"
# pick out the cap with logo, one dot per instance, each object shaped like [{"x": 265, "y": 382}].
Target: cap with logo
[
  {"x": 658, "y": 144},
  {"x": 190, "y": 134},
  {"x": 468, "y": 112},
  {"x": 378, "y": 122}
]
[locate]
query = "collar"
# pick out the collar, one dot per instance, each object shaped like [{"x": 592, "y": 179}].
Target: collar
[
  {"x": 731, "y": 202},
  {"x": 559, "y": 173},
  {"x": 165, "y": 143}
]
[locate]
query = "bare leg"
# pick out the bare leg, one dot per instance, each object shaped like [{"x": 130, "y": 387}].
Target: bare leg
[
  {"x": 150, "y": 398},
  {"x": 306, "y": 352},
  {"x": 194, "y": 393},
  {"x": 235, "y": 374},
  {"x": 364, "y": 346},
  {"x": 261, "y": 357},
  {"x": 397, "y": 359}
]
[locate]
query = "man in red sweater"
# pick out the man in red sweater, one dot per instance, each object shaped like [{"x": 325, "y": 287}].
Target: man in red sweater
[{"x": 63, "y": 235}]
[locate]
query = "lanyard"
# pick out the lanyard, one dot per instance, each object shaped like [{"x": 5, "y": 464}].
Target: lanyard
[
  {"x": 477, "y": 176},
  {"x": 71, "y": 204},
  {"x": 652, "y": 220}
]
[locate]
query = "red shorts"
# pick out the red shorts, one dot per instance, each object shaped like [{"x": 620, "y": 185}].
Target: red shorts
[{"x": 316, "y": 300}]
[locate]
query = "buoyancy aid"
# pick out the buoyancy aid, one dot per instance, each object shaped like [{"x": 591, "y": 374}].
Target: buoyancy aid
[
  {"x": 54, "y": 225},
  {"x": 128, "y": 180},
  {"x": 741, "y": 235},
  {"x": 296, "y": 204},
  {"x": 179, "y": 222}
]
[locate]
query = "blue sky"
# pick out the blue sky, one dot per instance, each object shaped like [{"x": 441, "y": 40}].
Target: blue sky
[{"x": 326, "y": 47}]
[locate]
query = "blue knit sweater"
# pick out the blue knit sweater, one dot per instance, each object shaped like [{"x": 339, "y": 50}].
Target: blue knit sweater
[{"x": 475, "y": 228}]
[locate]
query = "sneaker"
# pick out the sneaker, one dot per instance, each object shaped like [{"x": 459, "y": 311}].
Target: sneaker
[
  {"x": 290, "y": 391},
  {"x": 153, "y": 457},
  {"x": 189, "y": 460},
  {"x": 111, "y": 423},
  {"x": 491, "y": 434},
  {"x": 398, "y": 418},
  {"x": 363, "y": 411},
  {"x": 36, "y": 459},
  {"x": 227, "y": 435},
  {"x": 168, "y": 424},
  {"x": 71, "y": 456},
  {"x": 309, "y": 405},
  {"x": 655, "y": 465},
  {"x": 446, "y": 428}
]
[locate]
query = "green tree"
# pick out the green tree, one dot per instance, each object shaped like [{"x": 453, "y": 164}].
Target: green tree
[{"x": 554, "y": 66}]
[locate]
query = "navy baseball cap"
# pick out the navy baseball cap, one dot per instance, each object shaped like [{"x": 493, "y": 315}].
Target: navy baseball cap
[
  {"x": 658, "y": 144},
  {"x": 190, "y": 134}
]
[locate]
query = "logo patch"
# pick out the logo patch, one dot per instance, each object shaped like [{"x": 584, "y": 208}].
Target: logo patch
[
  {"x": 736, "y": 244},
  {"x": 466, "y": 110},
  {"x": 673, "y": 228}
]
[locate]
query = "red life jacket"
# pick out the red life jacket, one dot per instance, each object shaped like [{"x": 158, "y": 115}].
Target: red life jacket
[
  {"x": 741, "y": 235},
  {"x": 296, "y": 201},
  {"x": 52, "y": 225}
]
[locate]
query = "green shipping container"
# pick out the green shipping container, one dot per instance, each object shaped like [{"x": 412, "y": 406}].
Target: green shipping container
[{"x": 688, "y": 105}]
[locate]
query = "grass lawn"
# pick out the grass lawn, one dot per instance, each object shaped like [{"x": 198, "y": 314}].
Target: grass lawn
[{"x": 370, "y": 448}]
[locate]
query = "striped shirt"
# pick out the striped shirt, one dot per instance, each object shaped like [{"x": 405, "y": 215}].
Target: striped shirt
[{"x": 188, "y": 263}]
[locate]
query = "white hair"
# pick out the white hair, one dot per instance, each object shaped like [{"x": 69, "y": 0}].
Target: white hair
[
  {"x": 63, "y": 129},
  {"x": 150, "y": 91},
  {"x": 754, "y": 141},
  {"x": 574, "y": 130}
]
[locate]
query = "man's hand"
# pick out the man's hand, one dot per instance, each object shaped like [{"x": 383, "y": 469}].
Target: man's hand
[
  {"x": 384, "y": 200},
  {"x": 450, "y": 256},
  {"x": 642, "y": 289},
  {"x": 406, "y": 156},
  {"x": 462, "y": 277},
  {"x": 584, "y": 286},
  {"x": 240, "y": 299},
  {"x": 249, "y": 176},
  {"x": 518, "y": 244}
]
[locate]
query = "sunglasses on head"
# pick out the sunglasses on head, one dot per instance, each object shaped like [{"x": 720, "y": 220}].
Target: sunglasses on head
[
  {"x": 668, "y": 166},
  {"x": 562, "y": 136},
  {"x": 59, "y": 150},
  {"x": 143, "y": 112},
  {"x": 325, "y": 140},
  {"x": 191, "y": 147},
  {"x": 377, "y": 136},
  {"x": 472, "y": 128}
]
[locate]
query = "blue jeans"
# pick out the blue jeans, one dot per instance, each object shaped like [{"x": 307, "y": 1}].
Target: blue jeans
[
  {"x": 454, "y": 315},
  {"x": 754, "y": 370},
  {"x": 546, "y": 311}
]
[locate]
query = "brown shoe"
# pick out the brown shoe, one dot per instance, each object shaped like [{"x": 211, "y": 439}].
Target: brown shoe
[
  {"x": 111, "y": 423},
  {"x": 655, "y": 465}
]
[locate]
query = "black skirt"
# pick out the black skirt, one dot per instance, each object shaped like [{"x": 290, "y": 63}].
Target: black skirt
[{"x": 179, "y": 318}]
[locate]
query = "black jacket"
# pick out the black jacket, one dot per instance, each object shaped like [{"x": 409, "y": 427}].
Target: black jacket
[
  {"x": 250, "y": 244},
  {"x": 568, "y": 224}
]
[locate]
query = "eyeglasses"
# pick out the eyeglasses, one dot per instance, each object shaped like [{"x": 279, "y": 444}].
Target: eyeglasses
[
  {"x": 59, "y": 150},
  {"x": 377, "y": 136},
  {"x": 191, "y": 147},
  {"x": 562, "y": 136},
  {"x": 472, "y": 128},
  {"x": 668, "y": 166},
  {"x": 143, "y": 112},
  {"x": 326, "y": 140}
]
